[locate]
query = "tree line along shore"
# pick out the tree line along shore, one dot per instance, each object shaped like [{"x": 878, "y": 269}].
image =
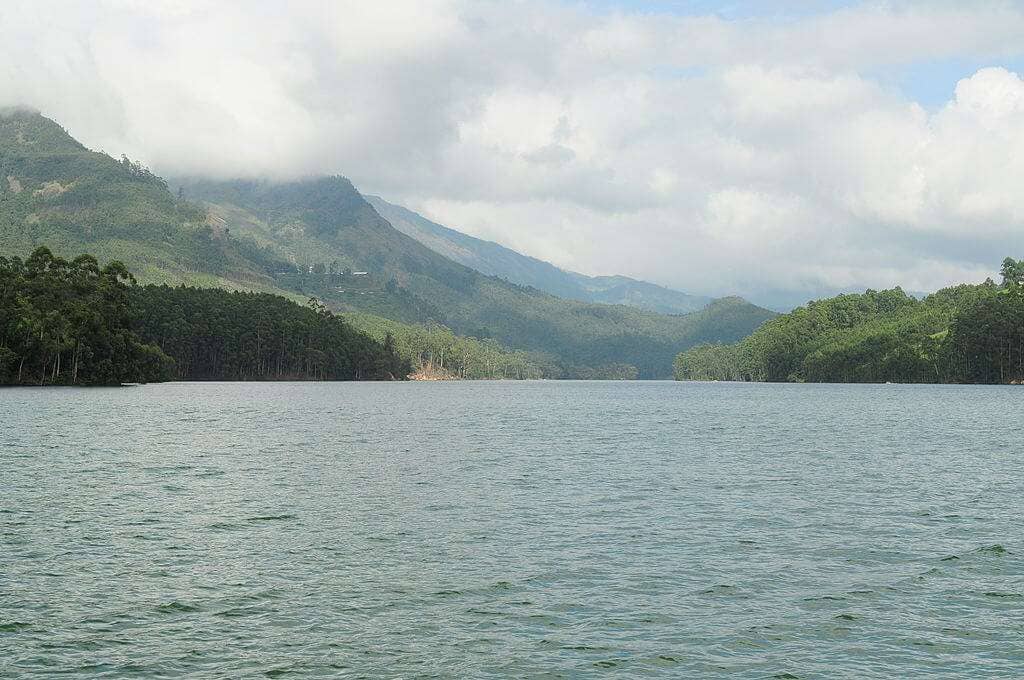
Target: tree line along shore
[
  {"x": 961, "y": 334},
  {"x": 75, "y": 322}
]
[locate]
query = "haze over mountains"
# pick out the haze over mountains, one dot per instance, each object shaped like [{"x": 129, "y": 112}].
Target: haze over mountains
[
  {"x": 320, "y": 237},
  {"x": 497, "y": 260}
]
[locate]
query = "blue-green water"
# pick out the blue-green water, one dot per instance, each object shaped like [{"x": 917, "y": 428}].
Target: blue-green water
[{"x": 473, "y": 530}]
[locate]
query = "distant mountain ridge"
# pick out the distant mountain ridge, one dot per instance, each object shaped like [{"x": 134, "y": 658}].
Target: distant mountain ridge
[{"x": 495, "y": 259}]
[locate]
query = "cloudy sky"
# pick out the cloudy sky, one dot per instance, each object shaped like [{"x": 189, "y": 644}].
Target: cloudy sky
[{"x": 776, "y": 150}]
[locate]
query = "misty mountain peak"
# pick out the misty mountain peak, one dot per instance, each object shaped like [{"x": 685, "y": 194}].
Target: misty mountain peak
[
  {"x": 24, "y": 130},
  {"x": 322, "y": 203}
]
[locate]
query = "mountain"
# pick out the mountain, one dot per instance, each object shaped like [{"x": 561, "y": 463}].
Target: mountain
[
  {"x": 315, "y": 237},
  {"x": 497, "y": 260},
  {"x": 348, "y": 255},
  {"x": 57, "y": 193}
]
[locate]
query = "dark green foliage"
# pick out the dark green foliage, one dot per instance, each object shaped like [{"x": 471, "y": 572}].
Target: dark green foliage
[
  {"x": 1012, "y": 272},
  {"x": 75, "y": 323},
  {"x": 986, "y": 339},
  {"x": 68, "y": 323},
  {"x": 214, "y": 334},
  {"x": 708, "y": 362},
  {"x": 971, "y": 334}
]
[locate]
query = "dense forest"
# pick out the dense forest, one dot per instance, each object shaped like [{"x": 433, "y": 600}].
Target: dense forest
[
  {"x": 962, "y": 334},
  {"x": 69, "y": 323},
  {"x": 74, "y": 323},
  {"x": 213, "y": 334}
]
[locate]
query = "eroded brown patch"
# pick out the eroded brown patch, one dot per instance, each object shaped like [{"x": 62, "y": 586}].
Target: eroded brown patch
[{"x": 52, "y": 189}]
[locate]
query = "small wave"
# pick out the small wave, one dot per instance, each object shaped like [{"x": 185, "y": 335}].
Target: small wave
[
  {"x": 846, "y": 617},
  {"x": 14, "y": 626},
  {"x": 608, "y": 663},
  {"x": 237, "y": 612},
  {"x": 1008, "y": 596},
  {"x": 825, "y": 598},
  {"x": 786, "y": 676},
  {"x": 992, "y": 550},
  {"x": 177, "y": 607},
  {"x": 271, "y": 518},
  {"x": 225, "y": 526},
  {"x": 168, "y": 468}
]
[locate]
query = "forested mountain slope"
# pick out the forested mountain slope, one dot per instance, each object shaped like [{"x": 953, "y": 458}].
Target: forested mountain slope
[
  {"x": 962, "y": 334},
  {"x": 56, "y": 193},
  {"x": 346, "y": 254},
  {"x": 497, "y": 260}
]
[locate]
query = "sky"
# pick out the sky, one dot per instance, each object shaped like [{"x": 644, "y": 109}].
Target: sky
[{"x": 777, "y": 150}]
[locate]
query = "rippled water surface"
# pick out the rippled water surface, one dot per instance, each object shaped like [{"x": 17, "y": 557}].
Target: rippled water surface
[{"x": 512, "y": 530}]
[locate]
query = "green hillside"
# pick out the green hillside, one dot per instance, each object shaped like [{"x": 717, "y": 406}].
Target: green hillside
[
  {"x": 56, "y": 193},
  {"x": 962, "y": 334},
  {"x": 349, "y": 256},
  {"x": 497, "y": 260}
]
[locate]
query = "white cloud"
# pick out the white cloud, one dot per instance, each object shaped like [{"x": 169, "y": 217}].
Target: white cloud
[{"x": 716, "y": 156}]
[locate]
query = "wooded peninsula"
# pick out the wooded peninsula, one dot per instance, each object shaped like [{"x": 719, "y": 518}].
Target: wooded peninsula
[
  {"x": 962, "y": 334},
  {"x": 72, "y": 322}
]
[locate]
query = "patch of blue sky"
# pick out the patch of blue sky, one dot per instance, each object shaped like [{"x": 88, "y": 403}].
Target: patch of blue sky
[
  {"x": 930, "y": 83},
  {"x": 933, "y": 83}
]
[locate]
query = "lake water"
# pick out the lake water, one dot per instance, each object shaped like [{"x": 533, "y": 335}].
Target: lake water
[{"x": 499, "y": 529}]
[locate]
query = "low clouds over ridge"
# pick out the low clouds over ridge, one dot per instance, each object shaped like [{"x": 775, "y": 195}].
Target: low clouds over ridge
[{"x": 765, "y": 157}]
